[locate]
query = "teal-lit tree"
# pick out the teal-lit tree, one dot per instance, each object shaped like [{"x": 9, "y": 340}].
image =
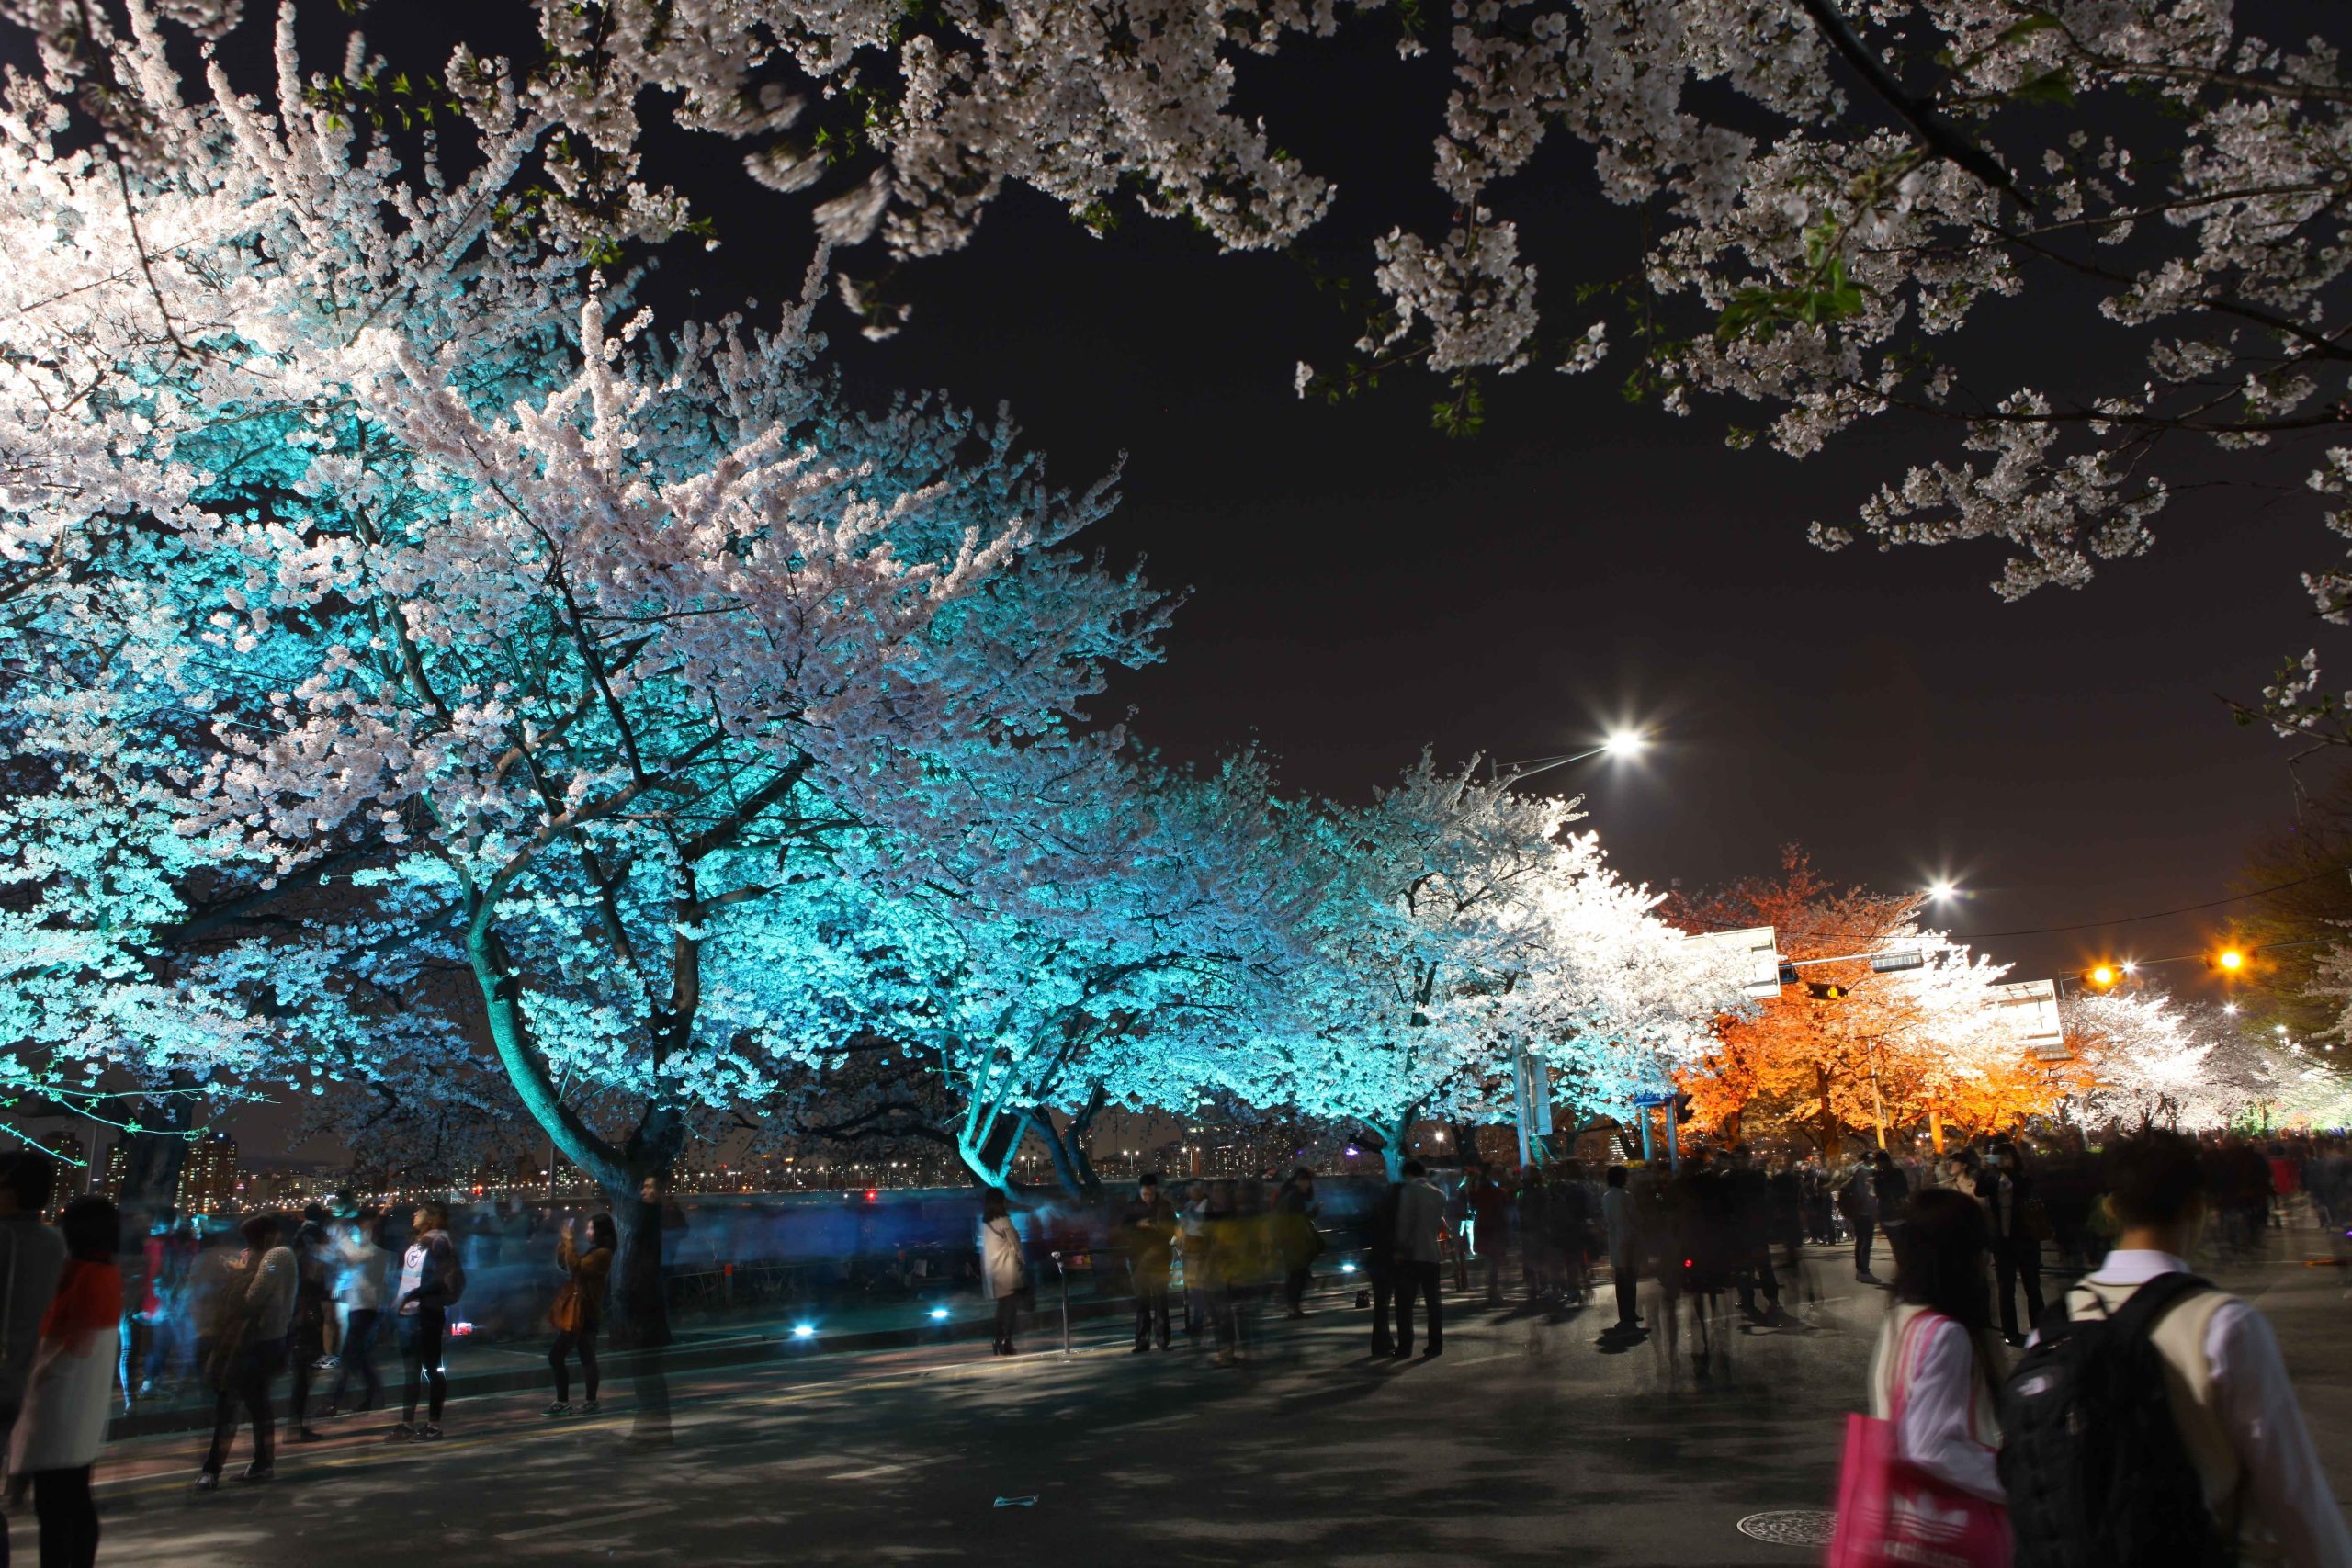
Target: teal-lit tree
[{"x": 553, "y": 648}]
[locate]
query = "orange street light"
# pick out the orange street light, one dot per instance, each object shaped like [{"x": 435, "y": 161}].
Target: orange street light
[
  {"x": 2230, "y": 961},
  {"x": 2101, "y": 976}
]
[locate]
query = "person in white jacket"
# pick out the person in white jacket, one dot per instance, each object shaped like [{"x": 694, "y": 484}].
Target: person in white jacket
[
  {"x": 1002, "y": 1265},
  {"x": 69, "y": 1394},
  {"x": 1937, "y": 1357},
  {"x": 361, "y": 1282}
]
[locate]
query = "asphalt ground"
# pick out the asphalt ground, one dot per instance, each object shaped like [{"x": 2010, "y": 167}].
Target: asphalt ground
[{"x": 1534, "y": 1438}]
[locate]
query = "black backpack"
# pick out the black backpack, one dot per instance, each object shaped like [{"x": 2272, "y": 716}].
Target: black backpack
[{"x": 2096, "y": 1470}]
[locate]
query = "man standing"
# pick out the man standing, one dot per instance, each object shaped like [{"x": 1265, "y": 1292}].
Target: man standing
[
  {"x": 2239, "y": 1428},
  {"x": 2004, "y": 1189},
  {"x": 1149, "y": 1233},
  {"x": 1489, "y": 1208},
  {"x": 1892, "y": 1189},
  {"x": 1380, "y": 1262},
  {"x": 1624, "y": 1228},
  {"x": 32, "y": 1256},
  {"x": 1420, "y": 1226},
  {"x": 253, "y": 1308},
  {"x": 1294, "y": 1237}
]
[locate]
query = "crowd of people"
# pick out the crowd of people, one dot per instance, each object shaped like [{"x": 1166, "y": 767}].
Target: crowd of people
[{"x": 312, "y": 1297}]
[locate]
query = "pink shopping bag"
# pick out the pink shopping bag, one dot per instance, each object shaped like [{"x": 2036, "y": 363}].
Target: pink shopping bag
[{"x": 1891, "y": 1514}]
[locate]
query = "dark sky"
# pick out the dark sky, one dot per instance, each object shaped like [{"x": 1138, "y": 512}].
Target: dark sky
[{"x": 1361, "y": 585}]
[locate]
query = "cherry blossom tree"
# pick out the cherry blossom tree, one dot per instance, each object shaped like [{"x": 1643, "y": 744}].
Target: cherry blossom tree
[
  {"x": 1461, "y": 925},
  {"x": 570, "y": 645}
]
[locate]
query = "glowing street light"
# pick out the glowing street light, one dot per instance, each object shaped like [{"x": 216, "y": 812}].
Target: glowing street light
[
  {"x": 1943, "y": 890},
  {"x": 1620, "y": 743},
  {"x": 2230, "y": 960}
]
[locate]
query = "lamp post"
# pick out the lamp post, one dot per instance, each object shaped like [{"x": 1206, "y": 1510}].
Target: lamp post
[{"x": 1534, "y": 1078}]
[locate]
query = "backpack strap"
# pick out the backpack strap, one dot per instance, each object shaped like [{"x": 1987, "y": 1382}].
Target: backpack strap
[{"x": 2146, "y": 1306}]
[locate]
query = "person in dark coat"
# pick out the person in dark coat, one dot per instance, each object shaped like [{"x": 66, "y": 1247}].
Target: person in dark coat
[
  {"x": 2006, "y": 1192},
  {"x": 1148, "y": 1231},
  {"x": 1380, "y": 1262}
]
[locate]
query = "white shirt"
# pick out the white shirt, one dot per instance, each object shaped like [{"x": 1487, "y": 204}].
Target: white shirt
[
  {"x": 2287, "y": 1495},
  {"x": 361, "y": 1284},
  {"x": 1947, "y": 1429},
  {"x": 412, "y": 1275}
]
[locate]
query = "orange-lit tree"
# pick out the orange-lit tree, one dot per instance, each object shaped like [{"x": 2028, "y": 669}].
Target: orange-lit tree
[{"x": 1845, "y": 1048}]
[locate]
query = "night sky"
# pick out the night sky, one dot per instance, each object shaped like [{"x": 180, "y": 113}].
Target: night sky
[{"x": 1361, "y": 585}]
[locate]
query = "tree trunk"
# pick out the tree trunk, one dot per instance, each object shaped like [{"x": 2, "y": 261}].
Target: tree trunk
[
  {"x": 991, "y": 1163},
  {"x": 152, "y": 1158},
  {"x": 636, "y": 1308},
  {"x": 1068, "y": 1160}
]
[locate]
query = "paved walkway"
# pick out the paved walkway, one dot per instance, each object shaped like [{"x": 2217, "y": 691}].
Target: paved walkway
[{"x": 1527, "y": 1441}]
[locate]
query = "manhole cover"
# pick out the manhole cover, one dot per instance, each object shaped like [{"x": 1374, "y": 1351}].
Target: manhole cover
[{"x": 1791, "y": 1527}]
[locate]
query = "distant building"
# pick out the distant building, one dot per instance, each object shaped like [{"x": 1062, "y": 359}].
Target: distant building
[
  {"x": 118, "y": 1168},
  {"x": 209, "y": 1177},
  {"x": 72, "y": 1169}
]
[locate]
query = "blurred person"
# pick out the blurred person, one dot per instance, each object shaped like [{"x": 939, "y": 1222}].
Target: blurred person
[
  {"x": 32, "y": 1257},
  {"x": 579, "y": 1308},
  {"x": 1747, "y": 1202},
  {"x": 1935, "y": 1354},
  {"x": 431, "y": 1277},
  {"x": 248, "y": 1345},
  {"x": 69, "y": 1390},
  {"x": 1420, "y": 1227},
  {"x": 1227, "y": 1258},
  {"x": 362, "y": 1273},
  {"x": 1858, "y": 1202},
  {"x": 1489, "y": 1207},
  {"x": 1621, "y": 1224},
  {"x": 167, "y": 1252},
  {"x": 1890, "y": 1185},
  {"x": 1191, "y": 1229},
  {"x": 2014, "y": 1217},
  {"x": 1294, "y": 1237},
  {"x": 306, "y": 1332},
  {"x": 1380, "y": 1262},
  {"x": 1538, "y": 1260},
  {"x": 1148, "y": 1232},
  {"x": 1567, "y": 1210},
  {"x": 1701, "y": 1205},
  {"x": 2260, "y": 1496},
  {"x": 1002, "y": 1265}
]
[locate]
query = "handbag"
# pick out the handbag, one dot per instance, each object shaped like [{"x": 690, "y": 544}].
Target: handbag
[
  {"x": 1891, "y": 1514},
  {"x": 569, "y": 1315}
]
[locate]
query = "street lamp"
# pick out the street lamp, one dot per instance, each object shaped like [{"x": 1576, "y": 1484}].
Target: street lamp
[{"x": 1620, "y": 743}]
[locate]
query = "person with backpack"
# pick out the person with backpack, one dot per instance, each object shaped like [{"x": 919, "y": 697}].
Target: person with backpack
[
  {"x": 2151, "y": 1420},
  {"x": 579, "y": 1308},
  {"x": 431, "y": 1278},
  {"x": 251, "y": 1311},
  {"x": 1936, "y": 1361}
]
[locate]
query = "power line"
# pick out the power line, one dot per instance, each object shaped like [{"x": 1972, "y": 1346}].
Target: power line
[
  {"x": 2161, "y": 914},
  {"x": 2090, "y": 925}
]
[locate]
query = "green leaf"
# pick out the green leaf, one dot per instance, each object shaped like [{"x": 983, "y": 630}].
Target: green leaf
[
  {"x": 2041, "y": 21},
  {"x": 2051, "y": 87}
]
